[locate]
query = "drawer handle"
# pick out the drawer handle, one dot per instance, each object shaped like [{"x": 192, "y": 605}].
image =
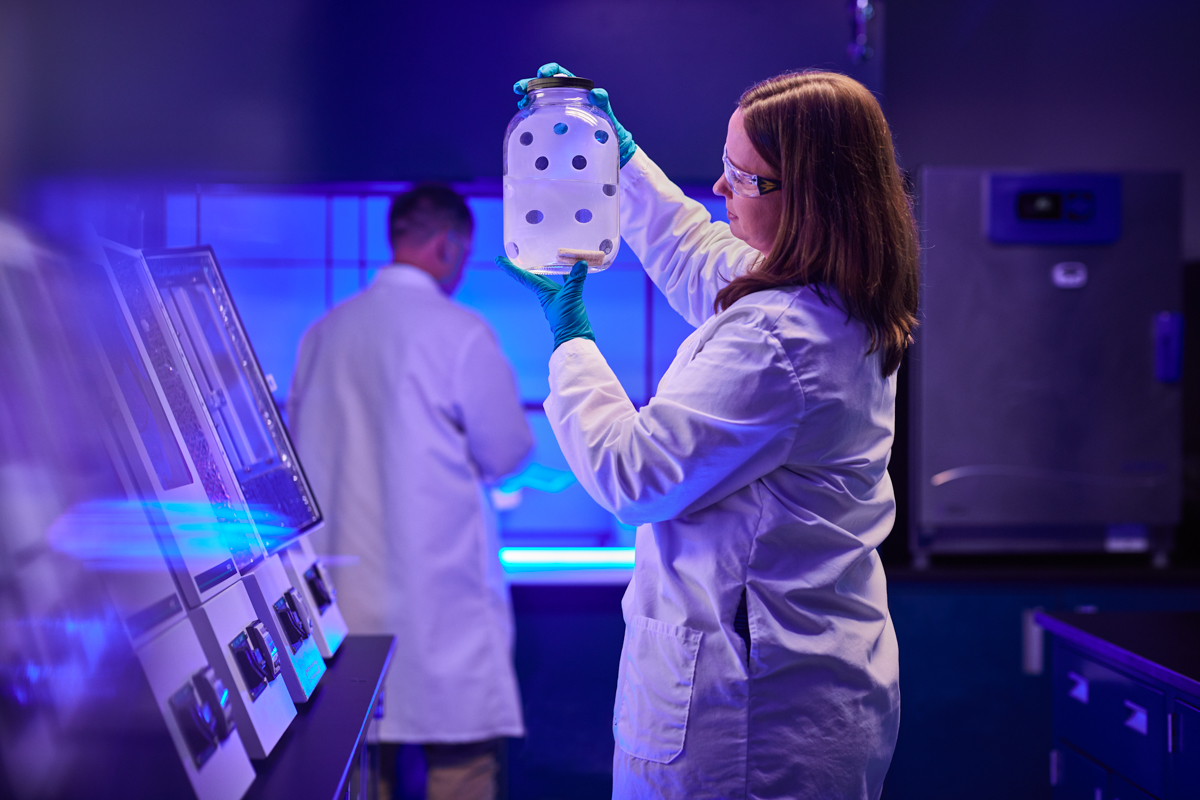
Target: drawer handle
[
  {"x": 1079, "y": 689},
  {"x": 1138, "y": 720}
]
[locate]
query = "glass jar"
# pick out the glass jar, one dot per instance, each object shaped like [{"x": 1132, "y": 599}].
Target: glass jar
[{"x": 561, "y": 164}]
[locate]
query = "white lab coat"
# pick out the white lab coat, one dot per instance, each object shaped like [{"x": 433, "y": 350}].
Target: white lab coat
[
  {"x": 401, "y": 407},
  {"x": 759, "y": 465}
]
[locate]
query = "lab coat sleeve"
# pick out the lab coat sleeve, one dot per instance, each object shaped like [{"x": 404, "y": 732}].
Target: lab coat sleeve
[
  {"x": 729, "y": 418},
  {"x": 493, "y": 420},
  {"x": 687, "y": 255}
]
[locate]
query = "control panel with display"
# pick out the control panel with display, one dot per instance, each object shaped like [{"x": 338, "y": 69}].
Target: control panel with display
[{"x": 1046, "y": 208}]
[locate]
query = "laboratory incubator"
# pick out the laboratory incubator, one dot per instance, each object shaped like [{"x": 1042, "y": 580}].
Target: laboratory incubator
[
  {"x": 1047, "y": 404},
  {"x": 561, "y": 177},
  {"x": 237, "y": 392},
  {"x": 213, "y": 340},
  {"x": 163, "y": 423},
  {"x": 153, "y": 470},
  {"x": 104, "y": 689},
  {"x": 168, "y": 412}
]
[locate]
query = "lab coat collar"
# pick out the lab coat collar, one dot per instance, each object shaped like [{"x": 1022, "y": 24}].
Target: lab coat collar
[{"x": 407, "y": 275}]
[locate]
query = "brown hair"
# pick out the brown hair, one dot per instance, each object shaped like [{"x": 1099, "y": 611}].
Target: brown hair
[{"x": 847, "y": 220}]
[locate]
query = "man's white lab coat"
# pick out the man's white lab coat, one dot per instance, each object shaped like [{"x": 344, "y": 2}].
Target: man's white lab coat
[
  {"x": 402, "y": 406},
  {"x": 758, "y": 470}
]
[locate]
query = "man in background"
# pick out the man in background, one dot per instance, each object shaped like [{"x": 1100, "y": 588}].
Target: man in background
[{"x": 403, "y": 410}]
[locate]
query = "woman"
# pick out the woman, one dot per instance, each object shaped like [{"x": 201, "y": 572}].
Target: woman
[{"x": 759, "y": 657}]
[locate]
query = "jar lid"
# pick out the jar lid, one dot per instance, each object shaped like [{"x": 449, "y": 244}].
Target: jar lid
[{"x": 559, "y": 82}]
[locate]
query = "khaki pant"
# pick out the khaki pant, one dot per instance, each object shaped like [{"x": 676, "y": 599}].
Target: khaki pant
[
  {"x": 454, "y": 771},
  {"x": 462, "y": 771}
]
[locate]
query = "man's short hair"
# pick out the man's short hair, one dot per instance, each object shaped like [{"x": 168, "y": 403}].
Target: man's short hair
[{"x": 427, "y": 210}]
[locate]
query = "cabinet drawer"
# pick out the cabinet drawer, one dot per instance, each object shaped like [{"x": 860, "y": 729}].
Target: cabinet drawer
[
  {"x": 1187, "y": 751},
  {"x": 1115, "y": 719},
  {"x": 1078, "y": 778}
]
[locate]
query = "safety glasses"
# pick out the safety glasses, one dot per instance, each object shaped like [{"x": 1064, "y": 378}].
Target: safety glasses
[{"x": 744, "y": 184}]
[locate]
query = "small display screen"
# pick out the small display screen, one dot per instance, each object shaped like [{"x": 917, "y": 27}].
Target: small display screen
[
  {"x": 1039, "y": 205},
  {"x": 1053, "y": 206}
]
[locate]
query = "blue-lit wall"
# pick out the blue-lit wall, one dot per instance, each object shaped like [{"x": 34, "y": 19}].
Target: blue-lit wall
[{"x": 289, "y": 257}]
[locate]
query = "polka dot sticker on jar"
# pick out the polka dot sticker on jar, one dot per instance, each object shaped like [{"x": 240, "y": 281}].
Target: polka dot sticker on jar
[
  {"x": 610, "y": 189},
  {"x": 513, "y": 250},
  {"x": 606, "y": 246},
  {"x": 535, "y": 216},
  {"x": 526, "y": 138},
  {"x": 583, "y": 215},
  {"x": 542, "y": 162},
  {"x": 578, "y": 162},
  {"x": 601, "y": 136},
  {"x": 560, "y": 128}
]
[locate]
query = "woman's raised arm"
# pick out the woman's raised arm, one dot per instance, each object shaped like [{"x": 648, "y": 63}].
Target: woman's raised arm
[{"x": 687, "y": 255}]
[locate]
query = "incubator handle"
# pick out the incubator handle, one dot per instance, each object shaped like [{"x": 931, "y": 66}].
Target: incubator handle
[
  {"x": 196, "y": 722},
  {"x": 263, "y": 645},
  {"x": 212, "y": 691},
  {"x": 1168, "y": 347}
]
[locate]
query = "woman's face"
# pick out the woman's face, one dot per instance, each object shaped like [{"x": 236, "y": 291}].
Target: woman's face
[{"x": 754, "y": 220}]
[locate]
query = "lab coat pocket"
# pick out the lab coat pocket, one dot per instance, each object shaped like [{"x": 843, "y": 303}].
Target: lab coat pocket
[{"x": 658, "y": 664}]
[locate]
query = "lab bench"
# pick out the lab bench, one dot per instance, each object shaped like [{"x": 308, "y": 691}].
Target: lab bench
[
  {"x": 322, "y": 755},
  {"x": 1126, "y": 690}
]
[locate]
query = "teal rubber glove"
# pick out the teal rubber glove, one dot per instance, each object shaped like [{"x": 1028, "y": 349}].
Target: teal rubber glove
[
  {"x": 599, "y": 98},
  {"x": 562, "y": 303}
]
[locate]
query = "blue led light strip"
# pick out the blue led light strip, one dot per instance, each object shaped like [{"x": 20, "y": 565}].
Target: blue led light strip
[{"x": 539, "y": 559}]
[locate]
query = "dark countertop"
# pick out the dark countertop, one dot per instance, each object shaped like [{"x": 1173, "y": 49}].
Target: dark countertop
[
  {"x": 1164, "y": 645},
  {"x": 988, "y": 571},
  {"x": 315, "y": 754}
]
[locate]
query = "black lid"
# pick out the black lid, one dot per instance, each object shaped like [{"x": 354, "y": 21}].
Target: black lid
[{"x": 560, "y": 82}]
